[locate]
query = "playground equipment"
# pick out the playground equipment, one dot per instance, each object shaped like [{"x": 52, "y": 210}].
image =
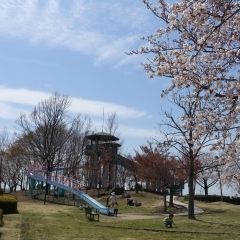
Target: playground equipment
[{"x": 57, "y": 179}]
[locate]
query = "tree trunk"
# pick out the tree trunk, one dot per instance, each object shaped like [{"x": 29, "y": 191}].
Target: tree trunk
[
  {"x": 164, "y": 200},
  {"x": 136, "y": 187},
  {"x": 46, "y": 192},
  {"x": 205, "y": 187},
  {"x": 171, "y": 197},
  {"x": 136, "y": 184},
  {"x": 47, "y": 186},
  {"x": 190, "y": 186}
]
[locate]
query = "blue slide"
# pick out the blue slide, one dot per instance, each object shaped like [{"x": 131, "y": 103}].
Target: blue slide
[{"x": 88, "y": 199}]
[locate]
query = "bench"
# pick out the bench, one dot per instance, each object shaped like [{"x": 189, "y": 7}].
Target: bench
[{"x": 91, "y": 213}]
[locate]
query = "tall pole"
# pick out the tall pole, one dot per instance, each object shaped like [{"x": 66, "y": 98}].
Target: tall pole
[
  {"x": 220, "y": 183},
  {"x": 46, "y": 186},
  {"x": 1, "y": 169}
]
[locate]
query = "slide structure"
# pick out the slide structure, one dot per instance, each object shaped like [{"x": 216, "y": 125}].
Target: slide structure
[{"x": 57, "y": 179}]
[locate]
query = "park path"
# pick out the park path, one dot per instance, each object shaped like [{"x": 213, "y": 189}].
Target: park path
[
  {"x": 120, "y": 216},
  {"x": 197, "y": 210}
]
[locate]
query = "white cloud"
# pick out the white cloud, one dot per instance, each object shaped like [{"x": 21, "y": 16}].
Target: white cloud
[
  {"x": 79, "y": 105},
  {"x": 16, "y": 101},
  {"x": 94, "y": 108},
  {"x": 104, "y": 29},
  {"x": 8, "y": 111},
  {"x": 22, "y": 96},
  {"x": 137, "y": 132}
]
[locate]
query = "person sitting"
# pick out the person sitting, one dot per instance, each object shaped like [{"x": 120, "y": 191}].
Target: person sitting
[
  {"x": 129, "y": 202},
  {"x": 168, "y": 221}
]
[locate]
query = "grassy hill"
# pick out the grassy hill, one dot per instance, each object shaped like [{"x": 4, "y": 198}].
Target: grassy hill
[{"x": 37, "y": 221}]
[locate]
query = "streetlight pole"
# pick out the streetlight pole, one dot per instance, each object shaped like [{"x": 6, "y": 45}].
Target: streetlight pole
[
  {"x": 1, "y": 169},
  {"x": 220, "y": 183},
  {"x": 47, "y": 185}
]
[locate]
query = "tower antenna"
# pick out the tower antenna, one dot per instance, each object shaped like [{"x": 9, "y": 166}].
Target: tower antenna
[{"x": 103, "y": 120}]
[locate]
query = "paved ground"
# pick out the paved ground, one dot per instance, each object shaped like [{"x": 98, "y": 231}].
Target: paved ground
[
  {"x": 197, "y": 210},
  {"x": 159, "y": 216}
]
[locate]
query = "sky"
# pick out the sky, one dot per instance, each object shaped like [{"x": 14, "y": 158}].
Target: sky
[{"x": 78, "y": 48}]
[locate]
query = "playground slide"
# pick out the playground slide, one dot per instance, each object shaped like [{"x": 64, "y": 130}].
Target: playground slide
[
  {"x": 88, "y": 199},
  {"x": 95, "y": 204}
]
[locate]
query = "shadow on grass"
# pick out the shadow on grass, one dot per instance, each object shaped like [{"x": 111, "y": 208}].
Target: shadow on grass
[
  {"x": 214, "y": 211},
  {"x": 170, "y": 230},
  {"x": 216, "y": 223}
]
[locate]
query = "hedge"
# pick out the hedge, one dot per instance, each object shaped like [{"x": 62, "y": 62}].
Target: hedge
[
  {"x": 8, "y": 203},
  {"x": 215, "y": 198}
]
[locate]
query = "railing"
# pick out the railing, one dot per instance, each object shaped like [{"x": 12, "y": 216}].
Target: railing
[{"x": 58, "y": 177}]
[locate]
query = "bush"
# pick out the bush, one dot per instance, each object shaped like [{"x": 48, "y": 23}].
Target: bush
[
  {"x": 118, "y": 190},
  {"x": 215, "y": 198},
  {"x": 8, "y": 203},
  {"x": 1, "y": 191},
  {"x": 152, "y": 191},
  {"x": 208, "y": 198}
]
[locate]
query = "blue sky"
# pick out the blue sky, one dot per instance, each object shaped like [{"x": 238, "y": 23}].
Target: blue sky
[{"x": 77, "y": 47}]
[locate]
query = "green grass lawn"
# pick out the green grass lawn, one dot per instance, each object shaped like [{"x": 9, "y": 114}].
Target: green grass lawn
[{"x": 36, "y": 221}]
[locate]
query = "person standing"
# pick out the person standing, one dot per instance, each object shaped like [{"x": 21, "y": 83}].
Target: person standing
[
  {"x": 115, "y": 208},
  {"x": 113, "y": 198}
]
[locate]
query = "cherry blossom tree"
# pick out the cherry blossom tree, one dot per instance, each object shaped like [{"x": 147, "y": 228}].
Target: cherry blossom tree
[
  {"x": 229, "y": 173},
  {"x": 199, "y": 49},
  {"x": 187, "y": 138},
  {"x": 207, "y": 175}
]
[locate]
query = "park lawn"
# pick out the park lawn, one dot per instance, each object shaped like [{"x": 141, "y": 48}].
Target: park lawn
[
  {"x": 36, "y": 221},
  {"x": 149, "y": 202}
]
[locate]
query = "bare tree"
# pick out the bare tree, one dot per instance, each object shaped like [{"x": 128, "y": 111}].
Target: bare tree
[
  {"x": 122, "y": 175},
  {"x": 111, "y": 126},
  {"x": 12, "y": 169},
  {"x": 110, "y": 156},
  {"x": 47, "y": 131},
  {"x": 4, "y": 144},
  {"x": 72, "y": 155}
]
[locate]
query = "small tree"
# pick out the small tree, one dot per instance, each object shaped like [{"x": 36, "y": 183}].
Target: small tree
[
  {"x": 4, "y": 143},
  {"x": 207, "y": 175},
  {"x": 154, "y": 163}
]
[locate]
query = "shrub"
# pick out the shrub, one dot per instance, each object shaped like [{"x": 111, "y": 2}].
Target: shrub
[
  {"x": 215, "y": 198},
  {"x": 8, "y": 203},
  {"x": 153, "y": 191}
]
